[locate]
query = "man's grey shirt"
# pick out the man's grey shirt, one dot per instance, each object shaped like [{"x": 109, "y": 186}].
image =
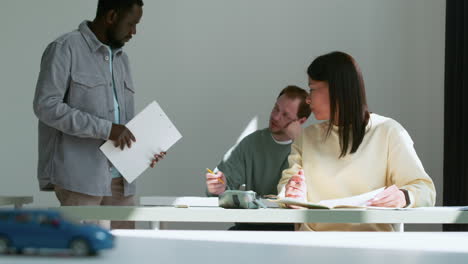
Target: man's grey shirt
[{"x": 75, "y": 107}]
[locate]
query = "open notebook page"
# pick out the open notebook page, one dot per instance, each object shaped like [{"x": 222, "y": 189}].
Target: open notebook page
[{"x": 358, "y": 200}]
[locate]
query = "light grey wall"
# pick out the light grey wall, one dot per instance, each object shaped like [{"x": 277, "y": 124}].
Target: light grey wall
[{"x": 213, "y": 65}]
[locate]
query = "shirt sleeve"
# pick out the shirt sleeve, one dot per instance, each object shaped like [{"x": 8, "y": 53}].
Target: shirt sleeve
[
  {"x": 234, "y": 166},
  {"x": 405, "y": 170},
  {"x": 295, "y": 165},
  {"x": 51, "y": 88}
]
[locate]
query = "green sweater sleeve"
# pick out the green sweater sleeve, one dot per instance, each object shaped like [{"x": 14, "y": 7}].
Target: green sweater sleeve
[
  {"x": 233, "y": 166},
  {"x": 257, "y": 161}
]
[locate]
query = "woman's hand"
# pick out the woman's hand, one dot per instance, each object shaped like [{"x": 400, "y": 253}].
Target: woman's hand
[
  {"x": 390, "y": 197},
  {"x": 296, "y": 188}
]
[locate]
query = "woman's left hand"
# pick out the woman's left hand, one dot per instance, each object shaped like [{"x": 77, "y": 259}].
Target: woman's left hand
[{"x": 390, "y": 197}]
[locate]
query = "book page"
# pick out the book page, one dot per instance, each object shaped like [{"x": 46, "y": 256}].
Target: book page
[
  {"x": 353, "y": 201},
  {"x": 358, "y": 201},
  {"x": 292, "y": 201}
]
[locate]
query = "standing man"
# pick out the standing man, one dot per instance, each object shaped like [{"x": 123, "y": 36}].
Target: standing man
[
  {"x": 84, "y": 96},
  {"x": 259, "y": 159}
]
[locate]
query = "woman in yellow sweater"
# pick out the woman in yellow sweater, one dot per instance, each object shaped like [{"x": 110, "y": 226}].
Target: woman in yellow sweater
[{"x": 353, "y": 151}]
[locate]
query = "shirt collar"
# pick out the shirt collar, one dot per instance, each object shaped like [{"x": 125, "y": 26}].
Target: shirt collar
[
  {"x": 286, "y": 142},
  {"x": 93, "y": 42}
]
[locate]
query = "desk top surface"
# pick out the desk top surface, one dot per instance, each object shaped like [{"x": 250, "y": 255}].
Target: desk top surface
[
  {"x": 434, "y": 215},
  {"x": 226, "y": 247}
]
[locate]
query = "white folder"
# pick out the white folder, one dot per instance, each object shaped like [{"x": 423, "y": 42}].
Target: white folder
[{"x": 154, "y": 133}]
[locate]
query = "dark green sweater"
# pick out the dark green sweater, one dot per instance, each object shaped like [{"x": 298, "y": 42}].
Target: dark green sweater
[{"x": 258, "y": 161}]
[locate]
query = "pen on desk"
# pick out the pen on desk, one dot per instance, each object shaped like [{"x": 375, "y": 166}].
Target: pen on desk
[{"x": 219, "y": 179}]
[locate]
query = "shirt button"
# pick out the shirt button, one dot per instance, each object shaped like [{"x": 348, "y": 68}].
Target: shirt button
[{"x": 106, "y": 58}]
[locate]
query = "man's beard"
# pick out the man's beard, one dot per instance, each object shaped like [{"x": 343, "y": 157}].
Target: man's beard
[
  {"x": 278, "y": 132},
  {"x": 113, "y": 42}
]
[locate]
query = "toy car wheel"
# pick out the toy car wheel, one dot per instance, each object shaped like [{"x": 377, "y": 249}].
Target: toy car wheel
[
  {"x": 4, "y": 245},
  {"x": 18, "y": 251},
  {"x": 80, "y": 247}
]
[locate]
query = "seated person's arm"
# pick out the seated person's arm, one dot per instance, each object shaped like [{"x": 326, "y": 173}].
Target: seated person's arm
[
  {"x": 406, "y": 172},
  {"x": 215, "y": 183},
  {"x": 292, "y": 183},
  {"x": 230, "y": 174}
]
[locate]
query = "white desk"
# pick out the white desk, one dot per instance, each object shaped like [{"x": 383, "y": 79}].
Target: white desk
[
  {"x": 16, "y": 201},
  {"x": 215, "y": 214},
  {"x": 171, "y": 201},
  {"x": 193, "y": 247}
]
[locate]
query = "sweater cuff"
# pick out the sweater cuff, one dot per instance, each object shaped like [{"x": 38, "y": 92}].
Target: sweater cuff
[
  {"x": 407, "y": 197},
  {"x": 282, "y": 192}
]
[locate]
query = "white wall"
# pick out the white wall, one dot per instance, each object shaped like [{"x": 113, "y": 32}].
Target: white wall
[{"x": 213, "y": 65}]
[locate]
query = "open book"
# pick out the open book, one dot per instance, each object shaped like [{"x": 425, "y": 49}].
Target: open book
[{"x": 358, "y": 201}]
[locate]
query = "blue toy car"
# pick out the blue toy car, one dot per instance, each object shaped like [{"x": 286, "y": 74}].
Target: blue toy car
[{"x": 46, "y": 229}]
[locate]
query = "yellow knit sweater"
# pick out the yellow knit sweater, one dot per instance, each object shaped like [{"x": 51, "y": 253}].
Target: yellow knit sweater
[{"x": 386, "y": 156}]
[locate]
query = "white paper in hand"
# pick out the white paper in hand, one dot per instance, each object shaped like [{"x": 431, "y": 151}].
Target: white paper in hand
[{"x": 154, "y": 133}]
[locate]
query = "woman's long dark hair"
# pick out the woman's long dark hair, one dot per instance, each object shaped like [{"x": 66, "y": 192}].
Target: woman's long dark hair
[{"x": 348, "y": 104}]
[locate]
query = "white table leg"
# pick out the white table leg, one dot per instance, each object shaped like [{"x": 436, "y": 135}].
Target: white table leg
[
  {"x": 399, "y": 227},
  {"x": 157, "y": 225}
]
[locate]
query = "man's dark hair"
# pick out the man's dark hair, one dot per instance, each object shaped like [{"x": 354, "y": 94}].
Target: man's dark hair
[
  {"x": 119, "y": 6},
  {"x": 293, "y": 92},
  {"x": 348, "y": 104}
]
